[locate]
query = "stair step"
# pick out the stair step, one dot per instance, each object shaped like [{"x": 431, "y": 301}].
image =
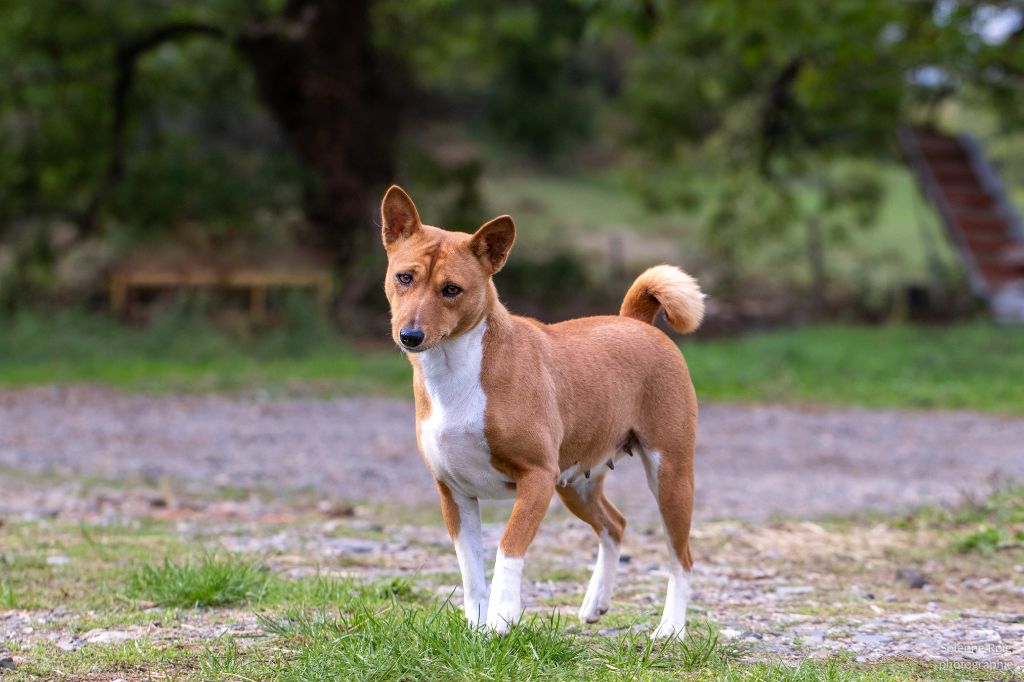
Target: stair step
[
  {"x": 945, "y": 154},
  {"x": 1006, "y": 258},
  {"x": 938, "y": 144},
  {"x": 968, "y": 198},
  {"x": 998, "y": 274},
  {"x": 980, "y": 222},
  {"x": 956, "y": 174},
  {"x": 989, "y": 242},
  {"x": 992, "y": 222}
]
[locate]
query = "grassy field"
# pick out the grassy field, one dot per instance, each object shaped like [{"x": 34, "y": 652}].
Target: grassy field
[{"x": 968, "y": 365}]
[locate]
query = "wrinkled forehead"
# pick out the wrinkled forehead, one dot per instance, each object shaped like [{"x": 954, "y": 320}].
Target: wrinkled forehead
[{"x": 433, "y": 252}]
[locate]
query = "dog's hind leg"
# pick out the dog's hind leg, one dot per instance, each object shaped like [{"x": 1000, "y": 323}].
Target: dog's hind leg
[
  {"x": 670, "y": 477},
  {"x": 585, "y": 498},
  {"x": 462, "y": 517}
]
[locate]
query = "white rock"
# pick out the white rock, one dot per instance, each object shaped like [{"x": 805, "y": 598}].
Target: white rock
[{"x": 106, "y": 636}]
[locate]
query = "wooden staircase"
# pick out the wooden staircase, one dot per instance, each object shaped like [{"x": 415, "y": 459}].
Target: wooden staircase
[{"x": 962, "y": 185}]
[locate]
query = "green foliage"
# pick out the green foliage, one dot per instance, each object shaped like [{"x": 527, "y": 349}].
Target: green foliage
[
  {"x": 208, "y": 581},
  {"x": 520, "y": 64},
  {"x": 985, "y": 540},
  {"x": 998, "y": 522},
  {"x": 767, "y": 100},
  {"x": 198, "y": 147}
]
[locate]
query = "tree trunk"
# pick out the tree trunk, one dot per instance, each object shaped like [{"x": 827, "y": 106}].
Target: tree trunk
[
  {"x": 816, "y": 263},
  {"x": 321, "y": 79}
]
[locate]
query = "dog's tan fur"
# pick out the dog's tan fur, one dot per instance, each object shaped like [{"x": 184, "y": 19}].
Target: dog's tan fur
[{"x": 560, "y": 398}]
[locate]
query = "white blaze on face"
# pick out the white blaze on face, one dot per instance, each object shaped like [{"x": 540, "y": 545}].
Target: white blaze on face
[
  {"x": 505, "y": 606},
  {"x": 599, "y": 593}
]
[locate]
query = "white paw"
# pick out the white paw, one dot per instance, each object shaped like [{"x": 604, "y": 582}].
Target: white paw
[
  {"x": 505, "y": 604},
  {"x": 476, "y": 612},
  {"x": 668, "y": 630},
  {"x": 503, "y": 618},
  {"x": 594, "y": 606}
]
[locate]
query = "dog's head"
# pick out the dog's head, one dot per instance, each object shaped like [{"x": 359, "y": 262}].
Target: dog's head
[{"x": 438, "y": 282}]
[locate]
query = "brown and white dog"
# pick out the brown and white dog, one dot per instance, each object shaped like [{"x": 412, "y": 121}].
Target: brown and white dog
[{"x": 509, "y": 407}]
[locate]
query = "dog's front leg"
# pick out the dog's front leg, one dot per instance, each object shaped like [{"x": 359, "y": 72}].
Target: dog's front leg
[
  {"x": 462, "y": 516},
  {"x": 534, "y": 490}
]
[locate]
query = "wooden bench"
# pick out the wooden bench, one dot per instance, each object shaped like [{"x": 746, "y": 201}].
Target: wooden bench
[{"x": 256, "y": 280}]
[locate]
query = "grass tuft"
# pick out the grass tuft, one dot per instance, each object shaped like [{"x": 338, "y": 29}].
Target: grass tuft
[
  {"x": 8, "y": 598},
  {"x": 210, "y": 580}
]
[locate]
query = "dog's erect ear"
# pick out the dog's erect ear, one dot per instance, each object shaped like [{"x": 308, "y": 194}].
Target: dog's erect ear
[
  {"x": 492, "y": 242},
  {"x": 399, "y": 218}
]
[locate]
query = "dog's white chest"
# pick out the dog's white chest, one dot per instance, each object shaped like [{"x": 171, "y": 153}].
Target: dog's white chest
[{"x": 452, "y": 436}]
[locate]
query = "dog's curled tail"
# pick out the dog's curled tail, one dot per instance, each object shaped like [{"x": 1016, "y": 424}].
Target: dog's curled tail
[{"x": 668, "y": 287}]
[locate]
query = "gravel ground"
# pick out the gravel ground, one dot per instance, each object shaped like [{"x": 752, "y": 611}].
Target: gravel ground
[
  {"x": 791, "y": 588},
  {"x": 752, "y": 461}
]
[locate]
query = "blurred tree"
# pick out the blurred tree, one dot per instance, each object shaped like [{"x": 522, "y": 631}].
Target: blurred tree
[
  {"x": 145, "y": 112},
  {"x": 731, "y": 88},
  {"x": 152, "y": 113},
  {"x": 516, "y": 68}
]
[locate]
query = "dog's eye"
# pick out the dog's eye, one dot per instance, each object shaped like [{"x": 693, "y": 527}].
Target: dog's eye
[
  {"x": 404, "y": 278},
  {"x": 451, "y": 291}
]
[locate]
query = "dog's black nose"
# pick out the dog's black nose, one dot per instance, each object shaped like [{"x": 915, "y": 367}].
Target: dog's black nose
[{"x": 411, "y": 337}]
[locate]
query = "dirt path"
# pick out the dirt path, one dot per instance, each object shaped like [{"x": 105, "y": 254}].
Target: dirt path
[{"x": 752, "y": 462}]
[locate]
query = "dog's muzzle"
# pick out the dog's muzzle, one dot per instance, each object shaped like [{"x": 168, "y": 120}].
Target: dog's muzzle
[{"x": 410, "y": 338}]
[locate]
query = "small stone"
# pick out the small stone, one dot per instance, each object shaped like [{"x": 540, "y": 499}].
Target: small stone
[
  {"x": 106, "y": 636},
  {"x": 7, "y": 663},
  {"x": 68, "y": 644},
  {"x": 625, "y": 558},
  {"x": 336, "y": 510},
  {"x": 872, "y": 639},
  {"x": 790, "y": 590},
  {"x": 59, "y": 560},
  {"x": 912, "y": 578}
]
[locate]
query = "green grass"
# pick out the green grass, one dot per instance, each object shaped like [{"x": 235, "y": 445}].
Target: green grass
[
  {"x": 984, "y": 526},
  {"x": 210, "y": 580},
  {"x": 974, "y": 365},
  {"x": 180, "y": 352}
]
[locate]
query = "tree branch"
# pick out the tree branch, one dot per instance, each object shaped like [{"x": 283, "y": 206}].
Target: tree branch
[{"x": 778, "y": 115}]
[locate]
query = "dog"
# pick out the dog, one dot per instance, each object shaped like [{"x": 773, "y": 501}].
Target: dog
[{"x": 509, "y": 407}]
